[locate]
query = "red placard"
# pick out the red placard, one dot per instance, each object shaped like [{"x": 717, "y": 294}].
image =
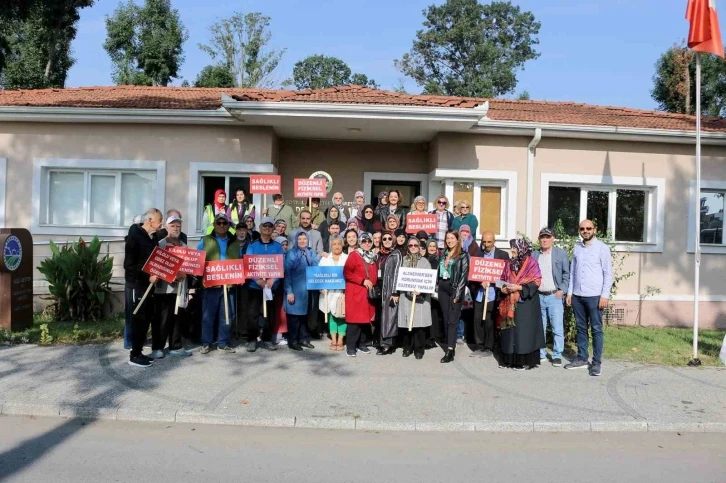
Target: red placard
[
  {"x": 193, "y": 260},
  {"x": 310, "y": 188},
  {"x": 266, "y": 184},
  {"x": 162, "y": 264},
  {"x": 426, "y": 222},
  {"x": 485, "y": 269},
  {"x": 264, "y": 266},
  {"x": 224, "y": 272}
]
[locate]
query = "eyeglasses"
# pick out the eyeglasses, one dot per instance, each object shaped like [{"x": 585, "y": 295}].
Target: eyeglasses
[
  {"x": 587, "y": 228},
  {"x": 464, "y": 208},
  {"x": 441, "y": 202},
  {"x": 366, "y": 241},
  {"x": 368, "y": 212},
  {"x": 221, "y": 223},
  {"x": 387, "y": 238},
  {"x": 266, "y": 225},
  {"x": 413, "y": 246}
]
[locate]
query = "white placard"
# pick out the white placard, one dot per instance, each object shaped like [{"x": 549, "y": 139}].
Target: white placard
[{"x": 416, "y": 280}]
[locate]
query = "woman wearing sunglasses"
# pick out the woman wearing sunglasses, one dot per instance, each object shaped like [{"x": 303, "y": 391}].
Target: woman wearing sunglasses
[
  {"x": 361, "y": 274},
  {"x": 389, "y": 261},
  {"x": 414, "y": 340}
]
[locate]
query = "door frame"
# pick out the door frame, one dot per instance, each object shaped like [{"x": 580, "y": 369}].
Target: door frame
[{"x": 370, "y": 176}]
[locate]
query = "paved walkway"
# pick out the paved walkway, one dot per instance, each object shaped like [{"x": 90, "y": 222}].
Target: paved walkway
[{"x": 324, "y": 389}]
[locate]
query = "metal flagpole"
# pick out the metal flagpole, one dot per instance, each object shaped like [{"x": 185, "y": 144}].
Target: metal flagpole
[{"x": 697, "y": 246}]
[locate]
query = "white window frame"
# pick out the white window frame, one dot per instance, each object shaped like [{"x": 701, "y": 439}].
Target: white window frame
[
  {"x": 196, "y": 192},
  {"x": 706, "y": 185},
  {"x": 3, "y": 189},
  {"x": 655, "y": 203},
  {"x": 41, "y": 174},
  {"x": 506, "y": 180}
]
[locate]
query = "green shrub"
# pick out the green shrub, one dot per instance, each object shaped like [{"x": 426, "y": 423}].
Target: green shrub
[{"x": 79, "y": 282}]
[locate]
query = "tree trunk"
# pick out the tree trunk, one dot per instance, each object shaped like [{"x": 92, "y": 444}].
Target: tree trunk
[
  {"x": 51, "y": 51},
  {"x": 687, "y": 65}
]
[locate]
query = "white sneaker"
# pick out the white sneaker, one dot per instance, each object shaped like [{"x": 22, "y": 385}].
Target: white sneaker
[{"x": 157, "y": 354}]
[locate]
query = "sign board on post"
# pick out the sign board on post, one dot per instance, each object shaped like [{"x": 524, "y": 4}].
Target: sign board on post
[
  {"x": 192, "y": 260},
  {"x": 325, "y": 278},
  {"x": 163, "y": 265},
  {"x": 224, "y": 272},
  {"x": 264, "y": 266},
  {"x": 486, "y": 270},
  {"x": 310, "y": 188},
  {"x": 265, "y": 184},
  {"x": 16, "y": 279},
  {"x": 426, "y": 222},
  {"x": 421, "y": 280}
]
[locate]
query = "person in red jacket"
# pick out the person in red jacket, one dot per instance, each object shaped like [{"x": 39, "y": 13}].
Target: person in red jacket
[{"x": 361, "y": 274}]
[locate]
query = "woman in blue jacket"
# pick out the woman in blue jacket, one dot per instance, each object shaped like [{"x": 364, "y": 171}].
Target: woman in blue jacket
[{"x": 297, "y": 259}]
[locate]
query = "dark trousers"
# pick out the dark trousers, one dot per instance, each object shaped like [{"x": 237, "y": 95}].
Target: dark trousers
[
  {"x": 450, "y": 311},
  {"x": 255, "y": 319},
  {"x": 414, "y": 340},
  {"x": 141, "y": 320},
  {"x": 240, "y": 328},
  {"x": 213, "y": 315},
  {"x": 484, "y": 329},
  {"x": 314, "y": 319},
  {"x": 436, "y": 332},
  {"x": 355, "y": 337},
  {"x": 587, "y": 314},
  {"x": 129, "y": 297},
  {"x": 166, "y": 325},
  {"x": 297, "y": 330}
]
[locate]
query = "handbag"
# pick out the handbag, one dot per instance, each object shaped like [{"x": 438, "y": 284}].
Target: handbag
[
  {"x": 339, "y": 308},
  {"x": 468, "y": 302},
  {"x": 374, "y": 293}
]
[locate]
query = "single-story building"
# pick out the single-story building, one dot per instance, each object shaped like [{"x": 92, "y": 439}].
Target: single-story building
[{"x": 84, "y": 161}]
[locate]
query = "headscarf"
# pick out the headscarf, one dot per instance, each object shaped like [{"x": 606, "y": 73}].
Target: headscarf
[
  {"x": 329, "y": 218},
  {"x": 466, "y": 242},
  {"x": 411, "y": 259},
  {"x": 341, "y": 207},
  {"x": 523, "y": 251},
  {"x": 281, "y": 240},
  {"x": 414, "y": 206},
  {"x": 280, "y": 222},
  {"x": 368, "y": 255},
  {"x": 248, "y": 217},
  {"x": 359, "y": 194},
  {"x": 433, "y": 259},
  {"x": 396, "y": 233},
  {"x": 365, "y": 222},
  {"x": 381, "y": 195},
  {"x": 398, "y": 222},
  {"x": 422, "y": 234},
  {"x": 219, "y": 206},
  {"x": 521, "y": 270},
  {"x": 383, "y": 250},
  {"x": 301, "y": 255}
]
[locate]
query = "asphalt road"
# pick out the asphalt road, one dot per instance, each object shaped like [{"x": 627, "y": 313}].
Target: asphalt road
[{"x": 56, "y": 450}]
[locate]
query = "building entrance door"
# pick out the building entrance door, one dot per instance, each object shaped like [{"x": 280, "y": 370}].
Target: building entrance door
[{"x": 408, "y": 189}]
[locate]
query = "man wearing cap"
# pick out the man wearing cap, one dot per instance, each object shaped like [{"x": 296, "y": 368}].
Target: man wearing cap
[
  {"x": 280, "y": 211},
  {"x": 265, "y": 245},
  {"x": 555, "y": 267},
  {"x": 317, "y": 216},
  {"x": 219, "y": 245},
  {"x": 360, "y": 202}
]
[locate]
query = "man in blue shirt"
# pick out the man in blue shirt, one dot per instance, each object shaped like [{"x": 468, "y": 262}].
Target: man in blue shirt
[
  {"x": 265, "y": 245},
  {"x": 591, "y": 278}
]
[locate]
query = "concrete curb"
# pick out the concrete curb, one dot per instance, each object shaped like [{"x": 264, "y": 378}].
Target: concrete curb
[{"x": 359, "y": 424}]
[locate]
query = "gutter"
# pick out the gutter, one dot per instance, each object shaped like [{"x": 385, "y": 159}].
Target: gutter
[
  {"x": 112, "y": 115},
  {"x": 531, "y": 152}
]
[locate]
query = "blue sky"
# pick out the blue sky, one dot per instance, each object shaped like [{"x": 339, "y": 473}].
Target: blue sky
[{"x": 593, "y": 51}]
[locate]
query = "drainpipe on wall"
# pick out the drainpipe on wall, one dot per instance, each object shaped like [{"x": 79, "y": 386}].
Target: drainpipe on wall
[{"x": 530, "y": 180}]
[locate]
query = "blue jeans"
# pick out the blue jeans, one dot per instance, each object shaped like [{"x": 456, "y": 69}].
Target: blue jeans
[
  {"x": 553, "y": 309},
  {"x": 587, "y": 313},
  {"x": 213, "y": 315},
  {"x": 128, "y": 311},
  {"x": 460, "y": 329}
]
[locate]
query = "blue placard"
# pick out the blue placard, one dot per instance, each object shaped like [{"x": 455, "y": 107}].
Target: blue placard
[{"x": 325, "y": 278}]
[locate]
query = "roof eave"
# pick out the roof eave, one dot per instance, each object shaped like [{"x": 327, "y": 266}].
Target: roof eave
[{"x": 114, "y": 115}]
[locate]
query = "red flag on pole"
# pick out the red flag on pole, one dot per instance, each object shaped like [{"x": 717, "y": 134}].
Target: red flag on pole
[{"x": 705, "y": 33}]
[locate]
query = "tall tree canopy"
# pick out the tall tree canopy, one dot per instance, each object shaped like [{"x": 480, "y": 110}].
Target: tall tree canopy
[
  {"x": 35, "y": 42},
  {"x": 215, "y": 76},
  {"x": 320, "y": 71},
  {"x": 471, "y": 50},
  {"x": 145, "y": 43},
  {"x": 674, "y": 82},
  {"x": 241, "y": 44}
]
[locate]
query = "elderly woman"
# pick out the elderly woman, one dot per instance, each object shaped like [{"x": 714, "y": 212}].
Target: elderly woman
[
  {"x": 350, "y": 239},
  {"x": 297, "y": 259},
  {"x": 389, "y": 261},
  {"x": 336, "y": 298},
  {"x": 360, "y": 275},
  {"x": 468, "y": 243},
  {"x": 418, "y": 207},
  {"x": 392, "y": 223},
  {"x": 519, "y": 315},
  {"x": 465, "y": 217},
  {"x": 251, "y": 228},
  {"x": 414, "y": 339},
  {"x": 344, "y": 213}
]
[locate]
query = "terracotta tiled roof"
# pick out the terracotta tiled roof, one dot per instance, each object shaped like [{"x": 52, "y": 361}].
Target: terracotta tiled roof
[{"x": 139, "y": 97}]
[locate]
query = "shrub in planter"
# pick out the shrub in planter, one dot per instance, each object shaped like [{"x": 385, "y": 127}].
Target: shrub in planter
[{"x": 79, "y": 282}]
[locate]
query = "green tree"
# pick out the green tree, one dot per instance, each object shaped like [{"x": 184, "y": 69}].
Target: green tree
[
  {"x": 674, "y": 82},
  {"x": 145, "y": 43},
  {"x": 240, "y": 43},
  {"x": 215, "y": 76},
  {"x": 523, "y": 96},
  {"x": 471, "y": 50},
  {"x": 320, "y": 71}
]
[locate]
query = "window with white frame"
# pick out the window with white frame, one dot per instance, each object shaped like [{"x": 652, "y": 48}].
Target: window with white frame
[
  {"x": 712, "y": 208},
  {"x": 487, "y": 203}
]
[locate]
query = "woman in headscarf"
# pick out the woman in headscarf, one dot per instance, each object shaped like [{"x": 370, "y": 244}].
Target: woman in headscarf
[
  {"x": 217, "y": 206},
  {"x": 282, "y": 241},
  {"x": 336, "y": 298},
  {"x": 519, "y": 317},
  {"x": 360, "y": 276},
  {"x": 367, "y": 221},
  {"x": 297, "y": 259},
  {"x": 392, "y": 223},
  {"x": 435, "y": 334},
  {"x": 414, "y": 339},
  {"x": 331, "y": 216},
  {"x": 389, "y": 261},
  {"x": 343, "y": 212},
  {"x": 468, "y": 243},
  {"x": 401, "y": 238},
  {"x": 382, "y": 206},
  {"x": 352, "y": 225},
  {"x": 351, "y": 241}
]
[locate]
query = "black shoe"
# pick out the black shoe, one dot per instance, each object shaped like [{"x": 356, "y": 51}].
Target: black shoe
[
  {"x": 382, "y": 351},
  {"x": 295, "y": 347},
  {"x": 419, "y": 355},
  {"x": 407, "y": 352},
  {"x": 139, "y": 361},
  {"x": 307, "y": 345},
  {"x": 364, "y": 349},
  {"x": 448, "y": 357},
  {"x": 150, "y": 360}
]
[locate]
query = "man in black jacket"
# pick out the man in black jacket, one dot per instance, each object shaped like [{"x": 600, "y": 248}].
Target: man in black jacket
[
  {"x": 140, "y": 242},
  {"x": 483, "y": 316}
]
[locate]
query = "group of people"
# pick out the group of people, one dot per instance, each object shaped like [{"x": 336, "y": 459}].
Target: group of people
[{"x": 509, "y": 318}]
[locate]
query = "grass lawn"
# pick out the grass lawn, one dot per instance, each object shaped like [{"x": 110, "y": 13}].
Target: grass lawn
[
  {"x": 666, "y": 346},
  {"x": 72, "y": 332}
]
